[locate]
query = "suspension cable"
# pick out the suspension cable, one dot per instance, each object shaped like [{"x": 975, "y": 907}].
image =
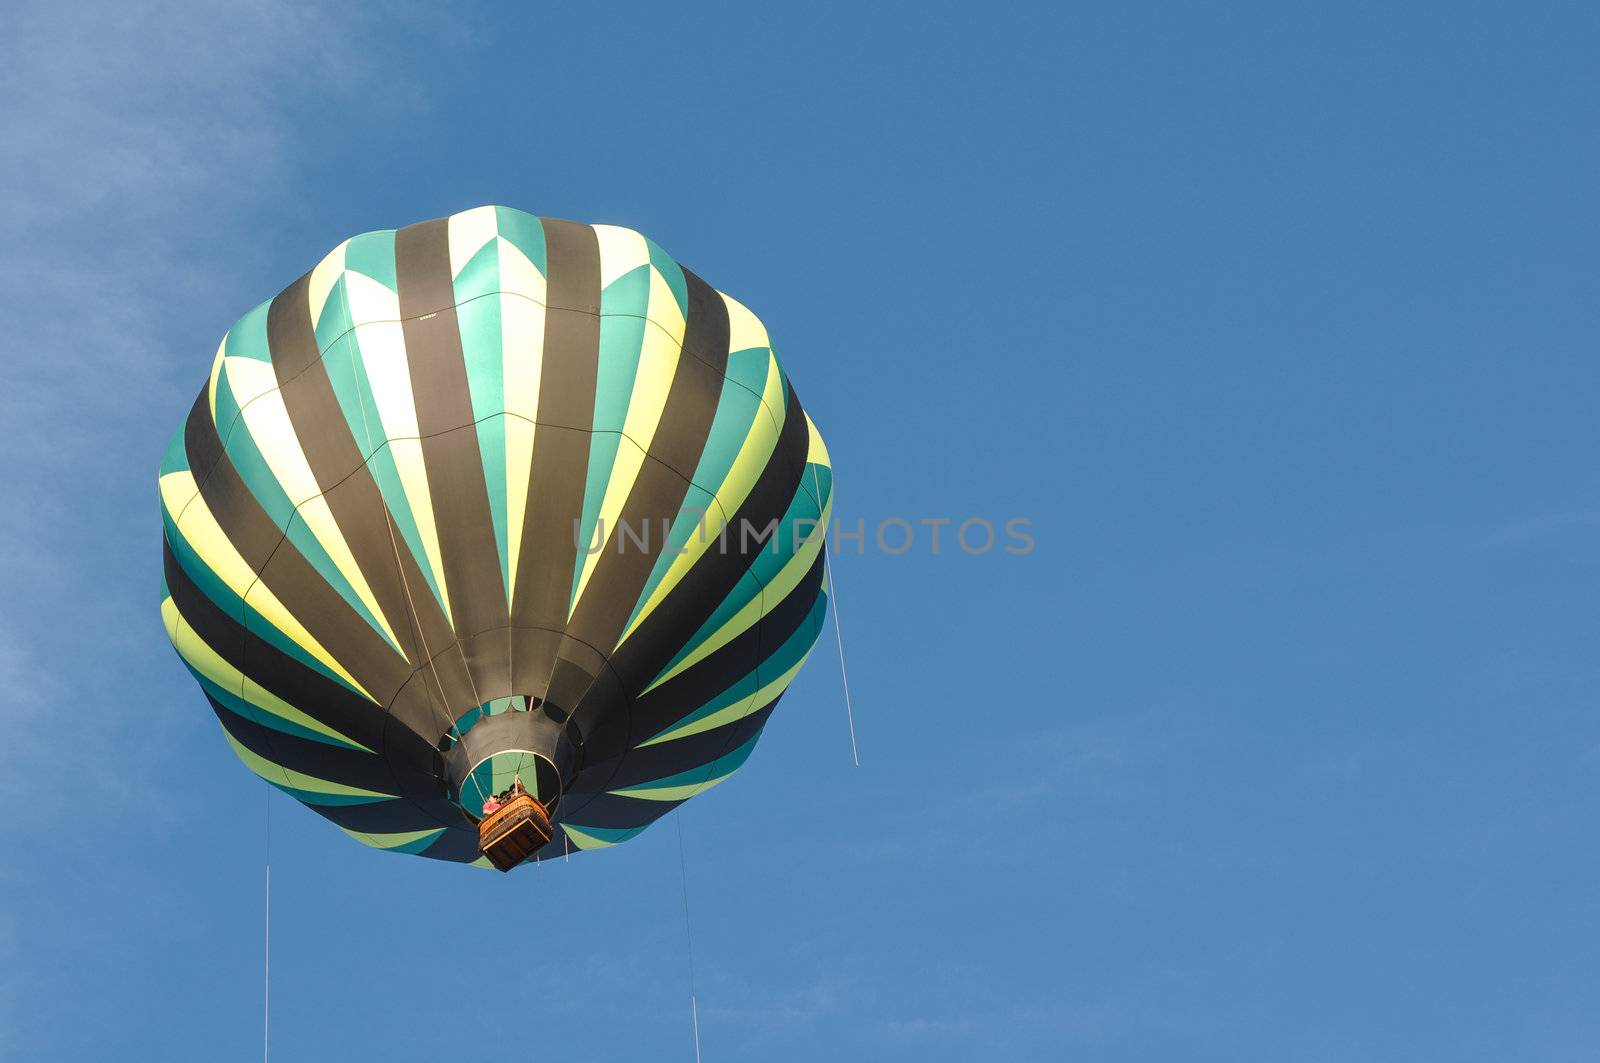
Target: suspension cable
[
  {"x": 688, "y": 935},
  {"x": 266, "y": 943},
  {"x": 838, "y": 637}
]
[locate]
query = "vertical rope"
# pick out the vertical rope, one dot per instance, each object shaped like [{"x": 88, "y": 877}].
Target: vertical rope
[
  {"x": 688, "y": 936},
  {"x": 838, "y": 638},
  {"x": 266, "y": 933}
]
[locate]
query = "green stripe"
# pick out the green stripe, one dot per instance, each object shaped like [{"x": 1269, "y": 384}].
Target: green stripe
[
  {"x": 784, "y": 657},
  {"x": 248, "y": 336},
  {"x": 372, "y": 255},
  {"x": 674, "y": 787},
  {"x": 237, "y": 705},
  {"x": 526, "y": 234},
  {"x": 621, "y": 341},
  {"x": 478, "y": 320},
  {"x": 764, "y": 568}
]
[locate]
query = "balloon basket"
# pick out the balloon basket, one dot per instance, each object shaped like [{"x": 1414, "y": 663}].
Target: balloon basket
[{"x": 514, "y": 832}]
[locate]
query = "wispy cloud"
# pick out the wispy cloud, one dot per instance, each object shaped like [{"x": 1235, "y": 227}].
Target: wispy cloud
[
  {"x": 147, "y": 138},
  {"x": 142, "y": 139},
  {"x": 1538, "y": 529}
]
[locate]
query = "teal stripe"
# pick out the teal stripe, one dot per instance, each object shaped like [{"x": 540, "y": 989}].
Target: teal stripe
[
  {"x": 610, "y": 835},
  {"x": 526, "y": 234},
  {"x": 387, "y": 477},
  {"x": 334, "y": 320},
  {"x": 372, "y": 254},
  {"x": 480, "y": 276},
  {"x": 784, "y": 657},
  {"x": 417, "y": 845},
  {"x": 176, "y": 456},
  {"x": 688, "y": 527},
  {"x": 750, "y": 368},
  {"x": 723, "y": 765},
  {"x": 621, "y": 341},
  {"x": 239, "y": 706},
  {"x": 737, "y": 408},
  {"x": 248, "y": 337},
  {"x": 226, "y": 409},
  {"x": 818, "y": 477},
  {"x": 478, "y": 320},
  {"x": 764, "y": 568},
  {"x": 311, "y": 797},
  {"x": 672, "y": 273}
]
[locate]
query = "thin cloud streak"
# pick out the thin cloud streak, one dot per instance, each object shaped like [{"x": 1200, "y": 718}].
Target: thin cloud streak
[
  {"x": 144, "y": 139},
  {"x": 1538, "y": 529}
]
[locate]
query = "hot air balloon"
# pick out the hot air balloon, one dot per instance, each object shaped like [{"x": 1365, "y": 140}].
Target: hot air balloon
[{"x": 495, "y": 537}]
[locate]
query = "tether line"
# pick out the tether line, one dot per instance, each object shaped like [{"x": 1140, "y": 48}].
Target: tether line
[
  {"x": 838, "y": 637},
  {"x": 266, "y": 942},
  {"x": 688, "y": 936}
]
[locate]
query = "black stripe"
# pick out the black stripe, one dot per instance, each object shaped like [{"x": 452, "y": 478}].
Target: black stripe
[
  {"x": 267, "y": 666},
  {"x": 354, "y": 499},
  {"x": 293, "y": 579},
  {"x": 651, "y": 763},
  {"x": 349, "y": 767},
  {"x": 450, "y": 451},
  {"x": 560, "y": 452},
  {"x": 619, "y": 812},
  {"x": 713, "y": 577},
  {"x": 412, "y": 759},
  {"x": 658, "y": 494},
  {"x": 698, "y": 684},
  {"x": 458, "y": 845}
]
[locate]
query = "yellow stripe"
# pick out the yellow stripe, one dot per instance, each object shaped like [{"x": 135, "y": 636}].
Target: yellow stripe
[
  {"x": 658, "y": 363},
  {"x": 323, "y": 277},
  {"x": 733, "y": 712},
  {"x": 522, "y": 315},
  {"x": 468, "y": 232},
  {"x": 621, "y": 251},
  {"x": 585, "y": 841},
  {"x": 216, "y": 371},
  {"x": 786, "y": 580},
  {"x": 664, "y": 312},
  {"x": 758, "y": 447},
  {"x": 392, "y": 841},
  {"x": 383, "y": 353},
  {"x": 370, "y": 302},
  {"x": 205, "y": 660},
  {"x": 294, "y": 779},
  {"x": 745, "y": 330},
  {"x": 747, "y": 467},
  {"x": 675, "y": 793},
  {"x": 201, "y": 530},
  {"x": 267, "y": 421},
  {"x": 519, "y": 276},
  {"x": 816, "y": 450}
]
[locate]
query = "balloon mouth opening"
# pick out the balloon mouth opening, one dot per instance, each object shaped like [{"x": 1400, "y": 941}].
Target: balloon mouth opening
[{"x": 506, "y": 767}]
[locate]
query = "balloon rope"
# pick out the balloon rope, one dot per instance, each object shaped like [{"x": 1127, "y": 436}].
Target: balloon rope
[
  {"x": 688, "y": 936},
  {"x": 838, "y": 638},
  {"x": 266, "y": 950}
]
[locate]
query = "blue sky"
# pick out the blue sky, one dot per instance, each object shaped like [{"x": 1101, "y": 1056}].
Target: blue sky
[{"x": 1278, "y": 323}]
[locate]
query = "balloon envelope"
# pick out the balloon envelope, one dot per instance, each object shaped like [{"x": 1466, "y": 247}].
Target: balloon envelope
[{"x": 494, "y": 497}]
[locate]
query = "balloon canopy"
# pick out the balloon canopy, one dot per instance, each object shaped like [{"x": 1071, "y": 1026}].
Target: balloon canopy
[{"x": 495, "y": 498}]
